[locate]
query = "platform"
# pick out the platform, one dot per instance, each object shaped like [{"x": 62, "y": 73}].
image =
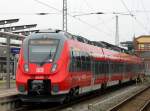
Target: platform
[
  {"x": 8, "y": 92},
  {"x": 9, "y": 99}
]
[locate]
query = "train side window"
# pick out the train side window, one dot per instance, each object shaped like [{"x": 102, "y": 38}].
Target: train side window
[
  {"x": 129, "y": 67},
  {"x": 133, "y": 68},
  {"x": 101, "y": 67},
  {"x": 88, "y": 61},
  {"x": 121, "y": 67},
  {"x": 71, "y": 66},
  {"x": 113, "y": 68},
  {"x": 77, "y": 61},
  {"x": 83, "y": 61},
  {"x": 93, "y": 67},
  {"x": 106, "y": 67},
  {"x": 86, "y": 58},
  {"x": 71, "y": 54},
  {"x": 126, "y": 65},
  {"x": 117, "y": 67},
  {"x": 80, "y": 61},
  {"x": 96, "y": 68},
  {"x": 110, "y": 67}
]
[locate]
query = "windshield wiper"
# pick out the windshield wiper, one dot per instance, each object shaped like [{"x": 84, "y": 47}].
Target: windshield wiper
[{"x": 46, "y": 58}]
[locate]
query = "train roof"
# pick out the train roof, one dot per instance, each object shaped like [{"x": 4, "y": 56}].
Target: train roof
[
  {"x": 100, "y": 44},
  {"x": 85, "y": 40}
]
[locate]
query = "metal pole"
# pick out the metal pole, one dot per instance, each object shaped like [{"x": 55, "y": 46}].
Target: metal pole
[
  {"x": 117, "y": 32},
  {"x": 8, "y": 63},
  {"x": 15, "y": 65},
  {"x": 65, "y": 15}
]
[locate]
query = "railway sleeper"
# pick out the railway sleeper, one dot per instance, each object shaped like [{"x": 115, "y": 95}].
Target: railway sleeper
[{"x": 9, "y": 104}]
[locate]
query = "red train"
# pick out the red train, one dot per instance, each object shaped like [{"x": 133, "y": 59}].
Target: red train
[{"x": 56, "y": 66}]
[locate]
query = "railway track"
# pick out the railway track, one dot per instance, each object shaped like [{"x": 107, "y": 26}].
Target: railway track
[
  {"x": 83, "y": 98},
  {"x": 137, "y": 102},
  {"x": 58, "y": 106}
]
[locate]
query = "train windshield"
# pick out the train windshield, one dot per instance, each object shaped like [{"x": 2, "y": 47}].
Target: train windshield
[{"x": 42, "y": 51}]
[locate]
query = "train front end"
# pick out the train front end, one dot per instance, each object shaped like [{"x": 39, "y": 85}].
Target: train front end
[{"x": 41, "y": 73}]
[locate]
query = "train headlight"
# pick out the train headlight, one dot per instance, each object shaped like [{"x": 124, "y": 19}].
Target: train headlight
[
  {"x": 26, "y": 68},
  {"x": 55, "y": 88},
  {"x": 54, "y": 67},
  {"x": 21, "y": 88}
]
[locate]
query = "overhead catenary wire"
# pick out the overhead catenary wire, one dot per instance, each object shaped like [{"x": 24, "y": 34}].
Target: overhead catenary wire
[
  {"x": 96, "y": 28},
  {"x": 98, "y": 17},
  {"x": 115, "y": 13},
  {"x": 60, "y": 11},
  {"x": 140, "y": 24},
  {"x": 141, "y": 11},
  {"x": 147, "y": 16},
  {"x": 47, "y": 5},
  {"x": 22, "y": 13},
  {"x": 133, "y": 28},
  {"x": 126, "y": 7}
]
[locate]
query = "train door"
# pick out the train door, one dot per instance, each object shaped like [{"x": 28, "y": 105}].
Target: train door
[
  {"x": 106, "y": 70},
  {"x": 124, "y": 70},
  {"x": 86, "y": 63},
  {"x": 92, "y": 72},
  {"x": 97, "y": 71},
  {"x": 73, "y": 69},
  {"x": 109, "y": 73},
  {"x": 100, "y": 73}
]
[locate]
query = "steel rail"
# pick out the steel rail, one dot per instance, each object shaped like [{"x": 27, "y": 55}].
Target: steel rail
[
  {"x": 145, "y": 106},
  {"x": 79, "y": 99},
  {"x": 116, "y": 107}
]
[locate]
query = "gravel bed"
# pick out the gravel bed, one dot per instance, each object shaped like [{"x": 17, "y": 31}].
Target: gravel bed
[
  {"x": 104, "y": 105},
  {"x": 106, "y": 101}
]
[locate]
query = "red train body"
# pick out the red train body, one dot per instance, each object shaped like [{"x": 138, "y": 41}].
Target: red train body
[{"x": 53, "y": 65}]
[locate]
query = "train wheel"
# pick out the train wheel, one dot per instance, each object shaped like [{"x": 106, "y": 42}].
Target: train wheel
[
  {"x": 120, "y": 82},
  {"x": 71, "y": 95},
  {"x": 104, "y": 86},
  {"x": 68, "y": 96},
  {"x": 66, "y": 100},
  {"x": 75, "y": 92},
  {"x": 140, "y": 79}
]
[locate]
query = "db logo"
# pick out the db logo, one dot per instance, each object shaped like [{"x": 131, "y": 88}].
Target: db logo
[{"x": 40, "y": 69}]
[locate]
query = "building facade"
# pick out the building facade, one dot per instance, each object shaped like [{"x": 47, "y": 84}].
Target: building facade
[
  {"x": 142, "y": 49},
  {"x": 3, "y": 62}
]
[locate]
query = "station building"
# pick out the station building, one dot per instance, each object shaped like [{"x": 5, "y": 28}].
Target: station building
[
  {"x": 142, "y": 49},
  {"x": 16, "y": 33},
  {"x": 3, "y": 58},
  {"x": 14, "y": 44}
]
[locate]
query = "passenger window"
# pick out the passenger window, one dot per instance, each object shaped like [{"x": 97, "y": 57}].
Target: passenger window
[{"x": 72, "y": 61}]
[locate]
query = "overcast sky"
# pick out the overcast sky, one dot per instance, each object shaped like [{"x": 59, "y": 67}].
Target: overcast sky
[{"x": 93, "y": 27}]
